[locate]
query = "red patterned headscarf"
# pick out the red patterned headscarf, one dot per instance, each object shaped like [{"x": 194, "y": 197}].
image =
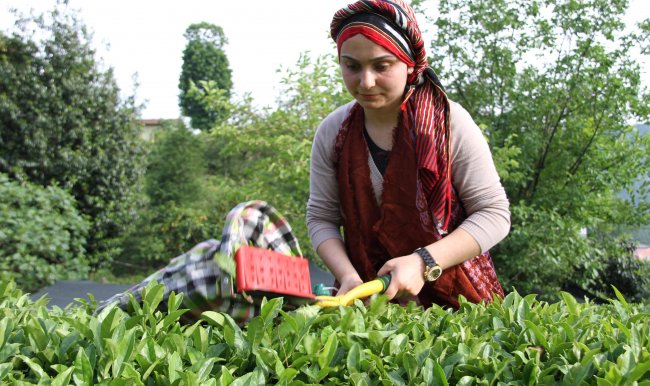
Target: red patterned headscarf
[{"x": 392, "y": 25}]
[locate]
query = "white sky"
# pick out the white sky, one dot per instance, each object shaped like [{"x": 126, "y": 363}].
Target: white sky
[{"x": 145, "y": 37}]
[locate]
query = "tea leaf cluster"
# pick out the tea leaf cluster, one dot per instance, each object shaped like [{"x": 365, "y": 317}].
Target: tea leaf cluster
[{"x": 514, "y": 341}]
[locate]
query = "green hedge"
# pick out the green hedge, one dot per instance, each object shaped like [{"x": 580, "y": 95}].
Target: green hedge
[
  {"x": 516, "y": 341},
  {"x": 42, "y": 235}
]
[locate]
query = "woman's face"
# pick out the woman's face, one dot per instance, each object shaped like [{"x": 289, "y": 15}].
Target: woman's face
[{"x": 375, "y": 77}]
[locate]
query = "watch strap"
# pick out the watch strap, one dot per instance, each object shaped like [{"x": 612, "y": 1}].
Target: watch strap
[{"x": 429, "y": 261}]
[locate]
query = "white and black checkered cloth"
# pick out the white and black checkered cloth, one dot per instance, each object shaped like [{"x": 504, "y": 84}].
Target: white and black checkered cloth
[{"x": 197, "y": 275}]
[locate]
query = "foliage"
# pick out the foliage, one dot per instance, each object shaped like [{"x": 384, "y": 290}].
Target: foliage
[
  {"x": 624, "y": 271},
  {"x": 62, "y": 122},
  {"x": 516, "y": 341},
  {"x": 175, "y": 168},
  {"x": 185, "y": 205},
  {"x": 553, "y": 84},
  {"x": 265, "y": 154},
  {"x": 162, "y": 233},
  {"x": 42, "y": 235},
  {"x": 204, "y": 59}
]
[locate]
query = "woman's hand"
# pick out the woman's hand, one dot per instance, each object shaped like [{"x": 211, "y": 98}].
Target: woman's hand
[
  {"x": 348, "y": 282},
  {"x": 407, "y": 275}
]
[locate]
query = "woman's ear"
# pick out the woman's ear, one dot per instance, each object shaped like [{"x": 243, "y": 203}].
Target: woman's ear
[{"x": 410, "y": 70}]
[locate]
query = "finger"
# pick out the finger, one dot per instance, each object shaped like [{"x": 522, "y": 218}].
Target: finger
[
  {"x": 391, "y": 291},
  {"x": 385, "y": 269}
]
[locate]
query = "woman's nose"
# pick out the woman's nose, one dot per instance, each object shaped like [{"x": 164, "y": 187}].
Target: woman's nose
[{"x": 367, "y": 80}]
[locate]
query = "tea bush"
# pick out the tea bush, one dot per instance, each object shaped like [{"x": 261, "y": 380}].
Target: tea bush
[
  {"x": 42, "y": 235},
  {"x": 514, "y": 341}
]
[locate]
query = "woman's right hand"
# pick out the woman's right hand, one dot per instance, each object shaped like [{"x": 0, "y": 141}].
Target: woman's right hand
[{"x": 348, "y": 282}]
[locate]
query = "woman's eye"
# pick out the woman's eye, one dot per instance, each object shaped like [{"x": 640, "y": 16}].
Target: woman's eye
[
  {"x": 352, "y": 66},
  {"x": 381, "y": 67}
]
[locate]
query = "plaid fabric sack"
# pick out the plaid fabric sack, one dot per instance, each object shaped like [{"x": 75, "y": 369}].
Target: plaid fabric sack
[{"x": 196, "y": 273}]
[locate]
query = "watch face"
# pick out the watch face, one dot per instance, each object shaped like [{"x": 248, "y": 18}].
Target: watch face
[{"x": 433, "y": 273}]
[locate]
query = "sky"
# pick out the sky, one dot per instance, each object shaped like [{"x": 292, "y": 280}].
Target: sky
[{"x": 144, "y": 39}]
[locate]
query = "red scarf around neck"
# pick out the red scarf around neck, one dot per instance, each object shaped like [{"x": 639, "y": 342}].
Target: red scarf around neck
[{"x": 404, "y": 221}]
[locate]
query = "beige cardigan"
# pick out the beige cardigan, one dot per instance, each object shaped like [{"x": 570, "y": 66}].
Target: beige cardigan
[{"x": 473, "y": 176}]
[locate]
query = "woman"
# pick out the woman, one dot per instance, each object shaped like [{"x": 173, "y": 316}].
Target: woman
[{"x": 404, "y": 171}]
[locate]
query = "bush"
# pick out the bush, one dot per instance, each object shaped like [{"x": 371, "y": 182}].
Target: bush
[
  {"x": 620, "y": 268},
  {"x": 42, "y": 235},
  {"x": 162, "y": 233},
  {"x": 516, "y": 341}
]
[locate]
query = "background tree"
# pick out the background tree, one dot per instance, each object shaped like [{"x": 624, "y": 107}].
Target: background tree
[
  {"x": 42, "y": 235},
  {"x": 175, "y": 167},
  {"x": 554, "y": 84},
  {"x": 266, "y": 156},
  {"x": 204, "y": 59},
  {"x": 62, "y": 122}
]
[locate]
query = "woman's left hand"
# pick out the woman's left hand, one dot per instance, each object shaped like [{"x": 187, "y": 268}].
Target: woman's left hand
[{"x": 407, "y": 275}]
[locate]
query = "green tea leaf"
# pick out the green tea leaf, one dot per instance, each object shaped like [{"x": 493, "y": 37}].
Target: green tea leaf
[
  {"x": 63, "y": 379},
  {"x": 354, "y": 357},
  {"x": 255, "y": 332},
  {"x": 5, "y": 369},
  {"x": 83, "y": 371},
  {"x": 270, "y": 309},
  {"x": 326, "y": 356},
  {"x": 6, "y": 327},
  {"x": 539, "y": 335},
  {"x": 411, "y": 365},
  {"x": 152, "y": 295},
  {"x": 213, "y": 318},
  {"x": 34, "y": 366},
  {"x": 174, "y": 366},
  {"x": 571, "y": 303},
  {"x": 439, "y": 374}
]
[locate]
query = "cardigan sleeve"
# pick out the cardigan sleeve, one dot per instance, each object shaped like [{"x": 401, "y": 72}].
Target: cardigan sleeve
[
  {"x": 476, "y": 181},
  {"x": 323, "y": 208}
]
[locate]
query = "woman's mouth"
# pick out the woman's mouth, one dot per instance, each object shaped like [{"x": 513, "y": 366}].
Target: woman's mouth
[{"x": 369, "y": 97}]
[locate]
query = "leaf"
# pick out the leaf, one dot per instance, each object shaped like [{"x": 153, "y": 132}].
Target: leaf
[
  {"x": 637, "y": 372},
  {"x": 255, "y": 332},
  {"x": 152, "y": 296},
  {"x": 570, "y": 302},
  {"x": 125, "y": 349},
  {"x": 83, "y": 371},
  {"x": 411, "y": 365},
  {"x": 63, "y": 379},
  {"x": 34, "y": 366},
  {"x": 213, "y": 318},
  {"x": 287, "y": 375},
  {"x": 326, "y": 356},
  {"x": 439, "y": 374},
  {"x": 353, "y": 358},
  {"x": 174, "y": 367},
  {"x": 6, "y": 327},
  {"x": 5, "y": 369},
  {"x": 539, "y": 335},
  {"x": 270, "y": 309},
  {"x": 67, "y": 342}
]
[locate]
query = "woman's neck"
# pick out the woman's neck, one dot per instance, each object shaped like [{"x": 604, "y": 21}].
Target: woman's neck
[
  {"x": 380, "y": 126},
  {"x": 381, "y": 120}
]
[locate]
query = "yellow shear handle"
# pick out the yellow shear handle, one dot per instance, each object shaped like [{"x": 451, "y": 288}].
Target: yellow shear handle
[{"x": 364, "y": 290}]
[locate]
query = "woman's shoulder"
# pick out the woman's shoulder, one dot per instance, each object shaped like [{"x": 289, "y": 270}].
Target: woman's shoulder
[
  {"x": 329, "y": 127},
  {"x": 457, "y": 113},
  {"x": 334, "y": 120}
]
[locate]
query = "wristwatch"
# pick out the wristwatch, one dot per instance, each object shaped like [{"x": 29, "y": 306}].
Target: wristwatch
[{"x": 432, "y": 271}]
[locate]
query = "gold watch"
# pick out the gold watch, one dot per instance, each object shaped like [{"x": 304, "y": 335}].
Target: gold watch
[{"x": 432, "y": 270}]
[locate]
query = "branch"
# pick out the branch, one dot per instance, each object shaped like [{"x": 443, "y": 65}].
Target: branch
[{"x": 532, "y": 187}]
